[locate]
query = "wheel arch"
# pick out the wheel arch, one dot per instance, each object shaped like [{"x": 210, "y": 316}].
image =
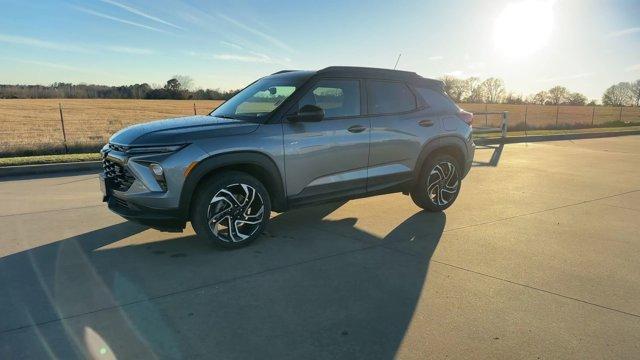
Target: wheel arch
[
  {"x": 256, "y": 164},
  {"x": 448, "y": 144}
]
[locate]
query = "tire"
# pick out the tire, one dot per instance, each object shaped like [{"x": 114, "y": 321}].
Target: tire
[
  {"x": 439, "y": 183},
  {"x": 227, "y": 199}
]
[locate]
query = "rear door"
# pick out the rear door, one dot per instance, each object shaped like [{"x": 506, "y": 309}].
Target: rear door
[
  {"x": 399, "y": 128},
  {"x": 328, "y": 159}
]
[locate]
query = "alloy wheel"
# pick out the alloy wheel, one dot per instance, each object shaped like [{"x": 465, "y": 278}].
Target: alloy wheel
[
  {"x": 235, "y": 212},
  {"x": 443, "y": 183}
]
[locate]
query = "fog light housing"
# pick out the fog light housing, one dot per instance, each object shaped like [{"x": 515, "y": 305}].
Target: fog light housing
[
  {"x": 156, "y": 169},
  {"x": 158, "y": 173}
]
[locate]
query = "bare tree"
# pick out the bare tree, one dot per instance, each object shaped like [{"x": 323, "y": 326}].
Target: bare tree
[
  {"x": 186, "y": 82},
  {"x": 474, "y": 90},
  {"x": 558, "y": 95},
  {"x": 620, "y": 94},
  {"x": 493, "y": 89},
  {"x": 540, "y": 98},
  {"x": 455, "y": 88},
  {"x": 635, "y": 87}
]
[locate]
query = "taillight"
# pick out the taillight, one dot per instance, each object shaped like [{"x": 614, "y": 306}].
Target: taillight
[{"x": 466, "y": 117}]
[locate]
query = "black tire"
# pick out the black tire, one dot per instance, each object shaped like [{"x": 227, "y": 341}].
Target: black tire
[
  {"x": 233, "y": 191},
  {"x": 435, "y": 173}
]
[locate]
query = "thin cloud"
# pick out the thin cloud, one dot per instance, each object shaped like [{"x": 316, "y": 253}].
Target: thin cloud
[
  {"x": 567, "y": 77},
  {"x": 27, "y": 41},
  {"x": 635, "y": 67},
  {"x": 116, "y": 19},
  {"x": 231, "y": 45},
  {"x": 258, "y": 58},
  {"x": 140, "y": 13},
  {"x": 259, "y": 33},
  {"x": 434, "y": 58},
  {"x": 130, "y": 50},
  {"x": 624, "y": 32},
  {"x": 77, "y": 48}
]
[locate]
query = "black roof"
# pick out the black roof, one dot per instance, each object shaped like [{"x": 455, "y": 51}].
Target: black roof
[
  {"x": 390, "y": 74},
  {"x": 367, "y": 71}
]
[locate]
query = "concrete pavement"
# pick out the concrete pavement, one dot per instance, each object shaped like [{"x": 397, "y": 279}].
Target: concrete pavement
[{"x": 538, "y": 258}]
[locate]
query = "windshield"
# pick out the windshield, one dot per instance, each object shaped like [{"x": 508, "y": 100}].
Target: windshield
[{"x": 258, "y": 100}]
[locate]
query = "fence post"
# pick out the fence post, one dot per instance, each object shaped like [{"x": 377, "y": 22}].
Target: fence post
[
  {"x": 593, "y": 115},
  {"x": 486, "y": 121},
  {"x": 557, "y": 113},
  {"x": 526, "y": 107},
  {"x": 504, "y": 123},
  {"x": 64, "y": 132},
  {"x": 194, "y": 109}
]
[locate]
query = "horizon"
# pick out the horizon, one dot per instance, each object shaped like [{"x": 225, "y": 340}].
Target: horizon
[{"x": 531, "y": 45}]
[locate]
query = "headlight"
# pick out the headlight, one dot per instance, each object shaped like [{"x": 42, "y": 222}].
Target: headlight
[{"x": 154, "y": 149}]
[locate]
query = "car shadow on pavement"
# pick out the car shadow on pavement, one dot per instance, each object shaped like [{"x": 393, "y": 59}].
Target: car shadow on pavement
[{"x": 311, "y": 287}]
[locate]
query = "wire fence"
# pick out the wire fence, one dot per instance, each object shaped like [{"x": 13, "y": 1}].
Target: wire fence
[{"x": 46, "y": 126}]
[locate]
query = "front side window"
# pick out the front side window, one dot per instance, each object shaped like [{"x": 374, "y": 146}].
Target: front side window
[
  {"x": 387, "y": 97},
  {"x": 338, "y": 98},
  {"x": 258, "y": 100}
]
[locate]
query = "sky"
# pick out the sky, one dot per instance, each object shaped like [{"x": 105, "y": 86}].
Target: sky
[{"x": 585, "y": 45}]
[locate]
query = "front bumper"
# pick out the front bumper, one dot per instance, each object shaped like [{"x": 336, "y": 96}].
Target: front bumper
[{"x": 161, "y": 219}]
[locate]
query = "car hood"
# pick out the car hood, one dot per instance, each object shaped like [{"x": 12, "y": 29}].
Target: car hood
[{"x": 181, "y": 130}]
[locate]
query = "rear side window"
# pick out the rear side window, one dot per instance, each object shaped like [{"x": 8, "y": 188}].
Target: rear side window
[
  {"x": 437, "y": 101},
  {"x": 338, "y": 98},
  {"x": 386, "y": 97}
]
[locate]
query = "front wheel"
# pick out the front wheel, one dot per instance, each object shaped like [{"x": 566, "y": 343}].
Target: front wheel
[
  {"x": 438, "y": 185},
  {"x": 231, "y": 209}
]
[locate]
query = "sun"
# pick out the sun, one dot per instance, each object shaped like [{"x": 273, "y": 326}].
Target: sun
[{"x": 523, "y": 28}]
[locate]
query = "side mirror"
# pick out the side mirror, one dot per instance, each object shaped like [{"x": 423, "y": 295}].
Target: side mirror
[{"x": 308, "y": 113}]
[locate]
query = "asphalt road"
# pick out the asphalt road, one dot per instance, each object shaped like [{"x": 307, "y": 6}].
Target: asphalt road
[{"x": 539, "y": 258}]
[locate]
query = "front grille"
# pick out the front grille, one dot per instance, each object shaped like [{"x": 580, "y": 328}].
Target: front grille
[{"x": 117, "y": 175}]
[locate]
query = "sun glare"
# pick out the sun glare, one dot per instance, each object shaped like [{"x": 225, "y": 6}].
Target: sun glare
[{"x": 523, "y": 28}]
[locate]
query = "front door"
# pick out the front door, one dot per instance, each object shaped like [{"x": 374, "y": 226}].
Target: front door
[{"x": 328, "y": 159}]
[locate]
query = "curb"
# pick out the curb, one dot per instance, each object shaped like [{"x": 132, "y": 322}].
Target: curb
[
  {"x": 535, "y": 138},
  {"x": 21, "y": 170}
]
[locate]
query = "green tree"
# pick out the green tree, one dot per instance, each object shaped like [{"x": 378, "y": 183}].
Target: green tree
[{"x": 576, "y": 99}]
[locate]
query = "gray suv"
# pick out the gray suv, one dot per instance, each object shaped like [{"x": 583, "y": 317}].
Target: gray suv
[{"x": 290, "y": 139}]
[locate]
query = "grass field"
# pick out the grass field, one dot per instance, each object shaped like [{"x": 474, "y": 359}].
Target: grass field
[{"x": 33, "y": 126}]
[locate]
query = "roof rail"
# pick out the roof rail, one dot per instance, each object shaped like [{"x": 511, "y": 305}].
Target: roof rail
[
  {"x": 368, "y": 70},
  {"x": 282, "y": 72}
]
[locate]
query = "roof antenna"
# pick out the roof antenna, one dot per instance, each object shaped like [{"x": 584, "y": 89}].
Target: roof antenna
[{"x": 398, "y": 60}]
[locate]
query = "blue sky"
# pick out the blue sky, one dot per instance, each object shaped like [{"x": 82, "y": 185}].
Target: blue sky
[{"x": 585, "y": 45}]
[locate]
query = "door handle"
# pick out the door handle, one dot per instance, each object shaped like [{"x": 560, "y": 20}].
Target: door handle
[
  {"x": 356, "y": 129},
  {"x": 425, "y": 123}
]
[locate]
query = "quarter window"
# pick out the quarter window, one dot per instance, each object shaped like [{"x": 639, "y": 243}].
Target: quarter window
[
  {"x": 338, "y": 98},
  {"x": 386, "y": 97}
]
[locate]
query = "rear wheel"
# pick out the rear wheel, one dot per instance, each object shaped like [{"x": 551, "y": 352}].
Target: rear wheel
[
  {"x": 439, "y": 183},
  {"x": 231, "y": 209}
]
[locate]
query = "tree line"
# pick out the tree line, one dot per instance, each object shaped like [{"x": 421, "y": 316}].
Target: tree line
[
  {"x": 177, "y": 88},
  {"x": 493, "y": 91},
  {"x": 469, "y": 90}
]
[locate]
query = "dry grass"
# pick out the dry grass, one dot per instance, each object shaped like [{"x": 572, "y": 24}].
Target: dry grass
[{"x": 33, "y": 126}]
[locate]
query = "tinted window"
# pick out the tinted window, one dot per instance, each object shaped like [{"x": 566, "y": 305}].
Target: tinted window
[
  {"x": 385, "y": 97},
  {"x": 437, "y": 101},
  {"x": 337, "y": 98},
  {"x": 259, "y": 99}
]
